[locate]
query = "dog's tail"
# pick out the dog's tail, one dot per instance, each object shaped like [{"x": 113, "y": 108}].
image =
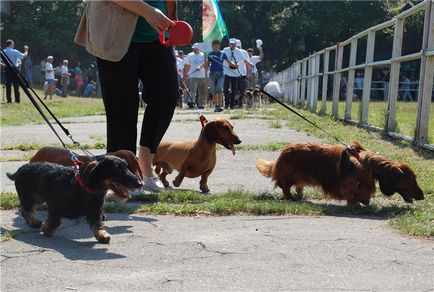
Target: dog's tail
[
  {"x": 12, "y": 176},
  {"x": 265, "y": 167}
]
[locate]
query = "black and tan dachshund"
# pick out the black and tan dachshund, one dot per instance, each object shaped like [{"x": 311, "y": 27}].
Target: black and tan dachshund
[{"x": 59, "y": 187}]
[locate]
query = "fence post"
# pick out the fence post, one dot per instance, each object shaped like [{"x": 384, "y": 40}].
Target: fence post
[
  {"x": 367, "y": 78},
  {"x": 309, "y": 82},
  {"x": 296, "y": 85},
  {"x": 337, "y": 80},
  {"x": 303, "y": 83},
  {"x": 316, "y": 83},
  {"x": 350, "y": 83},
  {"x": 395, "y": 70},
  {"x": 426, "y": 76},
  {"x": 325, "y": 79}
]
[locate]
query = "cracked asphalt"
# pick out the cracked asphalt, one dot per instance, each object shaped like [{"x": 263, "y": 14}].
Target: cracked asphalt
[{"x": 236, "y": 253}]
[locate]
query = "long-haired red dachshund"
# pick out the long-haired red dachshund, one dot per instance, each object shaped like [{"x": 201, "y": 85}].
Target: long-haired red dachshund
[
  {"x": 330, "y": 167},
  {"x": 393, "y": 176}
]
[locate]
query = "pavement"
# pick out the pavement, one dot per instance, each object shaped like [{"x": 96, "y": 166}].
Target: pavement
[{"x": 235, "y": 253}]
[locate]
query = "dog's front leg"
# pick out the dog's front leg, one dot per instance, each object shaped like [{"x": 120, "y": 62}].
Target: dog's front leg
[
  {"x": 50, "y": 224},
  {"x": 97, "y": 228},
  {"x": 203, "y": 184},
  {"x": 178, "y": 179}
]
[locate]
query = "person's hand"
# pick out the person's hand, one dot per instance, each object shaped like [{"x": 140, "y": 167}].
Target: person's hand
[
  {"x": 157, "y": 19},
  {"x": 26, "y": 48}
]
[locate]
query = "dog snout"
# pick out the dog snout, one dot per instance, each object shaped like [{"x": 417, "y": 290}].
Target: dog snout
[{"x": 237, "y": 141}]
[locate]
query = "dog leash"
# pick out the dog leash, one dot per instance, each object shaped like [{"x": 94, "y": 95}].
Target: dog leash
[
  {"x": 201, "y": 116},
  {"x": 350, "y": 149},
  {"x": 27, "y": 88}
]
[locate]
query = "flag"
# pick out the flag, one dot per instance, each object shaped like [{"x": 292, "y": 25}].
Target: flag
[{"x": 213, "y": 25}]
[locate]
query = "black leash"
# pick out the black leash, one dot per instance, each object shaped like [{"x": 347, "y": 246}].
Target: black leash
[{"x": 27, "y": 88}]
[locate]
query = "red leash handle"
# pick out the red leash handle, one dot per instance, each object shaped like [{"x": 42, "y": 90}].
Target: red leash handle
[{"x": 180, "y": 34}]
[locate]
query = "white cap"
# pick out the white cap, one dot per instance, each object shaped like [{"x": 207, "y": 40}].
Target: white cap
[
  {"x": 195, "y": 46},
  {"x": 232, "y": 41},
  {"x": 50, "y": 57},
  {"x": 238, "y": 43}
]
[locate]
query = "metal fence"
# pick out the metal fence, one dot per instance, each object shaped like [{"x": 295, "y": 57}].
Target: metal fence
[{"x": 301, "y": 82}]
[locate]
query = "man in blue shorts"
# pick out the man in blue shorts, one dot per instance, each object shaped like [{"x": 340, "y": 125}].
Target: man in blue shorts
[{"x": 216, "y": 76}]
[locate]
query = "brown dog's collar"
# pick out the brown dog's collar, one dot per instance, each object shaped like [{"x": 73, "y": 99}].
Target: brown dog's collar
[{"x": 78, "y": 177}]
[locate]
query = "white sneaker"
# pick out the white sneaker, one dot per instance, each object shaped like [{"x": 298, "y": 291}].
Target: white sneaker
[{"x": 152, "y": 184}]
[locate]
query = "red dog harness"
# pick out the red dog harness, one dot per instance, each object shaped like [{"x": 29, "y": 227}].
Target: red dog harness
[{"x": 78, "y": 177}]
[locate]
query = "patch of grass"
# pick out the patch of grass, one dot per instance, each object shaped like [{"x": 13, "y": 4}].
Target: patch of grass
[
  {"x": 24, "y": 112},
  {"x": 116, "y": 207},
  {"x": 7, "y": 235},
  {"x": 35, "y": 146},
  {"x": 275, "y": 125},
  {"x": 271, "y": 146},
  {"x": 24, "y": 157},
  {"x": 9, "y": 200}
]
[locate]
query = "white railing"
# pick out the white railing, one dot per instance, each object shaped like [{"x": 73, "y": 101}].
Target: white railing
[{"x": 300, "y": 82}]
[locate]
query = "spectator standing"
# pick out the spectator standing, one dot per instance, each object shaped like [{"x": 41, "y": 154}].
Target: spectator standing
[
  {"x": 42, "y": 71},
  {"x": 231, "y": 72},
  {"x": 358, "y": 85},
  {"x": 79, "y": 83},
  {"x": 28, "y": 65},
  {"x": 194, "y": 70},
  {"x": 129, "y": 35},
  {"x": 15, "y": 57},
  {"x": 216, "y": 75},
  {"x": 90, "y": 89},
  {"x": 49, "y": 77},
  {"x": 244, "y": 69},
  {"x": 64, "y": 78},
  {"x": 406, "y": 86},
  {"x": 254, "y": 59}
]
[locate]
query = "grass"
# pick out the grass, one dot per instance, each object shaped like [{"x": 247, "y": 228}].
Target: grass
[
  {"x": 235, "y": 203},
  {"x": 8, "y": 235},
  {"x": 406, "y": 113},
  {"x": 35, "y": 146},
  {"x": 24, "y": 112}
]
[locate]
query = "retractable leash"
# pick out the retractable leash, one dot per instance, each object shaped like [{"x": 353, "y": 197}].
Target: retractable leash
[
  {"x": 181, "y": 34},
  {"x": 27, "y": 88},
  {"x": 351, "y": 150}
]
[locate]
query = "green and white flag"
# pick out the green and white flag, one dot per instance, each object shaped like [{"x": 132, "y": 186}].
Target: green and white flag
[{"x": 213, "y": 25}]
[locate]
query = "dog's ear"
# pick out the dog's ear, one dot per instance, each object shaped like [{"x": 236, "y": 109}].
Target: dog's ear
[
  {"x": 346, "y": 166},
  {"x": 210, "y": 131},
  {"x": 90, "y": 173},
  {"x": 357, "y": 146}
]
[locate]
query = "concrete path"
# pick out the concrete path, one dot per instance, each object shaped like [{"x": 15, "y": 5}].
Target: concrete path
[
  {"x": 242, "y": 253},
  {"x": 259, "y": 253}
]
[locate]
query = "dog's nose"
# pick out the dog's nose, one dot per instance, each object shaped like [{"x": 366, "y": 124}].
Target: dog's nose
[{"x": 238, "y": 141}]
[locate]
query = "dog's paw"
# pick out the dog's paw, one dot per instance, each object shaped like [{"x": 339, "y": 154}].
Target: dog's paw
[
  {"x": 177, "y": 182},
  {"x": 36, "y": 224},
  {"x": 102, "y": 236},
  {"x": 204, "y": 189},
  {"x": 47, "y": 230}
]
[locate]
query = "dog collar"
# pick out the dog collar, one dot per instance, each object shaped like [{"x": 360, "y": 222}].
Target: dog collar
[
  {"x": 353, "y": 152},
  {"x": 78, "y": 177}
]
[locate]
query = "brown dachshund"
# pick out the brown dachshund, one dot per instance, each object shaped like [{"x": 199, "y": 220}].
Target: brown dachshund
[
  {"x": 62, "y": 156},
  {"x": 393, "y": 177},
  {"x": 330, "y": 167},
  {"x": 197, "y": 157}
]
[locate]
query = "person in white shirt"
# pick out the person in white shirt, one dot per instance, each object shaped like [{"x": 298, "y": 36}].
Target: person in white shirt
[
  {"x": 245, "y": 69},
  {"x": 15, "y": 57},
  {"x": 49, "y": 77},
  {"x": 232, "y": 73},
  {"x": 194, "y": 70},
  {"x": 254, "y": 59},
  {"x": 64, "y": 78}
]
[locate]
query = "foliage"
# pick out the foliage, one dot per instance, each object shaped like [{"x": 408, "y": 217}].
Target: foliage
[{"x": 289, "y": 29}]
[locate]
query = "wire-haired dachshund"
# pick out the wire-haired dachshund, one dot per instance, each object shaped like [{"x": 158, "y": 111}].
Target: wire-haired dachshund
[
  {"x": 330, "y": 167},
  {"x": 197, "y": 157},
  {"x": 60, "y": 188}
]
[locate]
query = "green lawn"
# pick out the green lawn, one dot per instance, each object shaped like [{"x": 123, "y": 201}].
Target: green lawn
[
  {"x": 25, "y": 112},
  {"x": 406, "y": 113}
]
